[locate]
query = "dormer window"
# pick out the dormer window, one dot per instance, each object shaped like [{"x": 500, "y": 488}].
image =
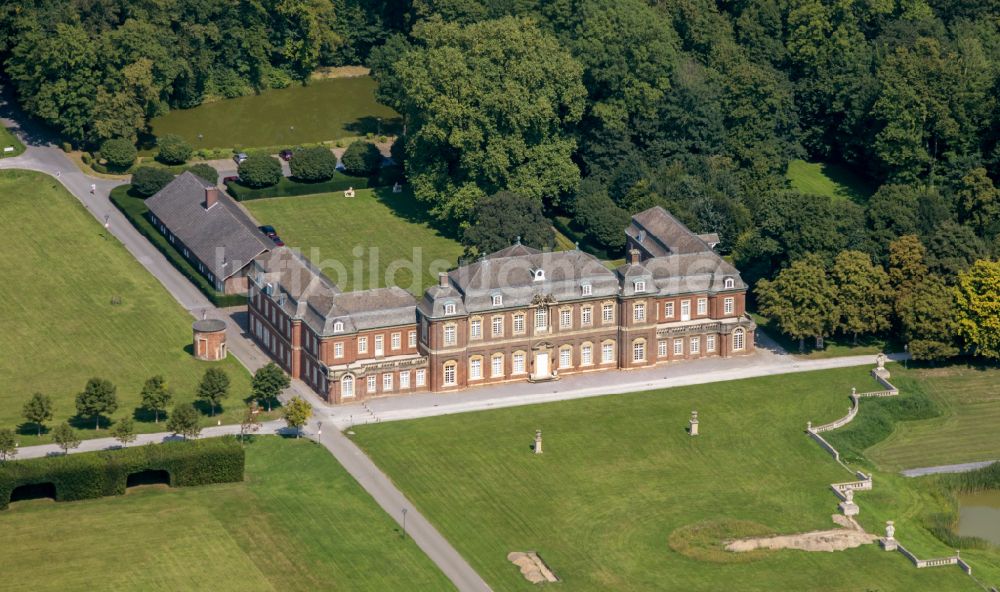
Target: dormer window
[
  {"x": 587, "y": 289},
  {"x": 338, "y": 327},
  {"x": 730, "y": 283},
  {"x": 539, "y": 275},
  {"x": 498, "y": 300},
  {"x": 640, "y": 286},
  {"x": 449, "y": 308}
]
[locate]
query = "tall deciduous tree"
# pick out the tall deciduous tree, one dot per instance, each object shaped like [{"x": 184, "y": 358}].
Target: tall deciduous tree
[
  {"x": 907, "y": 265},
  {"x": 156, "y": 396},
  {"x": 268, "y": 382},
  {"x": 926, "y": 312},
  {"x": 800, "y": 299},
  {"x": 863, "y": 299},
  {"x": 214, "y": 387},
  {"x": 38, "y": 410},
  {"x": 500, "y": 219},
  {"x": 296, "y": 413},
  {"x": 977, "y": 298},
  {"x": 97, "y": 399},
  {"x": 488, "y": 106}
]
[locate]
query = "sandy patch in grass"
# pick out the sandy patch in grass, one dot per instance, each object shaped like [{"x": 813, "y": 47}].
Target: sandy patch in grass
[
  {"x": 851, "y": 535},
  {"x": 532, "y": 567},
  {"x": 339, "y": 72}
]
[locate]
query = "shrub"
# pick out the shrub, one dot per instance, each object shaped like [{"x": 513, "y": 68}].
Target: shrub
[
  {"x": 173, "y": 149},
  {"x": 86, "y": 158},
  {"x": 67, "y": 147},
  {"x": 313, "y": 164},
  {"x": 148, "y": 180},
  {"x": 205, "y": 171},
  {"x": 96, "y": 474},
  {"x": 119, "y": 152},
  {"x": 602, "y": 220},
  {"x": 499, "y": 219},
  {"x": 259, "y": 171},
  {"x": 290, "y": 187},
  {"x": 361, "y": 159}
]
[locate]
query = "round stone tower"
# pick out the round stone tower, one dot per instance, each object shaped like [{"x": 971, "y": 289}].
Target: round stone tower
[{"x": 209, "y": 339}]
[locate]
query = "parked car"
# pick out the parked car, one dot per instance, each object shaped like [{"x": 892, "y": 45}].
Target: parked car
[
  {"x": 230, "y": 179},
  {"x": 277, "y": 240},
  {"x": 268, "y": 230},
  {"x": 285, "y": 154},
  {"x": 239, "y": 158}
]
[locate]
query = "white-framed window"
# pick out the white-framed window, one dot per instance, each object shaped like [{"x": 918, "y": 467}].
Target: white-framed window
[
  {"x": 362, "y": 345},
  {"x": 497, "y": 322},
  {"x": 586, "y": 316},
  {"x": 412, "y": 339},
  {"x": 638, "y": 350},
  {"x": 703, "y": 306},
  {"x": 607, "y": 352},
  {"x": 565, "y": 357},
  {"x": 476, "y": 328},
  {"x": 694, "y": 345},
  {"x": 639, "y": 311},
  {"x": 496, "y": 365},
  {"x": 372, "y": 386},
  {"x": 397, "y": 340},
  {"x": 739, "y": 339},
  {"x": 607, "y": 312},
  {"x": 685, "y": 310},
  {"x": 586, "y": 354},
  {"x": 421, "y": 377},
  {"x": 640, "y": 286},
  {"x": 338, "y": 327},
  {"x": 661, "y": 348},
  {"x": 519, "y": 323},
  {"x": 387, "y": 382},
  {"x": 541, "y": 318},
  {"x": 450, "y": 335},
  {"x": 518, "y": 363},
  {"x": 404, "y": 379},
  {"x": 498, "y": 300},
  {"x": 475, "y": 368},
  {"x": 678, "y": 347},
  {"x": 587, "y": 289},
  {"x": 338, "y": 349},
  {"x": 347, "y": 386},
  {"x": 668, "y": 310},
  {"x": 450, "y": 373},
  {"x": 710, "y": 343},
  {"x": 539, "y": 275},
  {"x": 730, "y": 283},
  {"x": 565, "y": 318},
  {"x": 728, "y": 305},
  {"x": 379, "y": 344},
  {"x": 449, "y": 308}
]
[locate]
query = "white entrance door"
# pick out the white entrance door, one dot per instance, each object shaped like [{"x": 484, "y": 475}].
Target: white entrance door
[
  {"x": 685, "y": 310},
  {"x": 542, "y": 365}
]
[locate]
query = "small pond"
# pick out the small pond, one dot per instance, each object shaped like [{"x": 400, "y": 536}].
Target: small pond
[{"x": 979, "y": 515}]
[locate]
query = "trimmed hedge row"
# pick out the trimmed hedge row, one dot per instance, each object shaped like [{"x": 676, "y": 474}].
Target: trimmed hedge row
[
  {"x": 289, "y": 187},
  {"x": 137, "y": 213},
  {"x": 97, "y": 474}
]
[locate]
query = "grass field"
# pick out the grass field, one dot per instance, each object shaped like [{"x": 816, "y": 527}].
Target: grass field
[
  {"x": 298, "y": 522},
  {"x": 607, "y": 504},
  {"x": 60, "y": 328},
  {"x": 832, "y": 180},
  {"x": 969, "y": 399},
  {"x": 8, "y": 139},
  {"x": 374, "y": 239},
  {"x": 323, "y": 110}
]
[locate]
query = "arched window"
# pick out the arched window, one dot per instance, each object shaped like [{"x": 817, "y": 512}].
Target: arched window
[
  {"x": 449, "y": 308},
  {"x": 730, "y": 283},
  {"x": 566, "y": 356},
  {"x": 607, "y": 351},
  {"x": 739, "y": 339},
  {"x": 586, "y": 354},
  {"x": 450, "y": 373},
  {"x": 475, "y": 368},
  {"x": 518, "y": 366},
  {"x": 539, "y": 275},
  {"x": 347, "y": 386},
  {"x": 639, "y": 350},
  {"x": 338, "y": 327}
]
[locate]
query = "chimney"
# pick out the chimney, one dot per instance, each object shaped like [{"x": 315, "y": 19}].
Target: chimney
[
  {"x": 443, "y": 279},
  {"x": 211, "y": 196},
  {"x": 633, "y": 256}
]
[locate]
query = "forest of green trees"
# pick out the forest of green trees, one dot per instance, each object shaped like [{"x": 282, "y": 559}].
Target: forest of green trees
[{"x": 597, "y": 109}]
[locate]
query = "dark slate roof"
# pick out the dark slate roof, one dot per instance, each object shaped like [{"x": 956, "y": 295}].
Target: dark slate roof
[
  {"x": 658, "y": 233},
  {"x": 682, "y": 274},
  {"x": 305, "y": 293},
  {"x": 513, "y": 274},
  {"x": 222, "y": 237}
]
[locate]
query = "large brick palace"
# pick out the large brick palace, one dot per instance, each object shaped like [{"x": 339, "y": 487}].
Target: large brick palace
[{"x": 515, "y": 315}]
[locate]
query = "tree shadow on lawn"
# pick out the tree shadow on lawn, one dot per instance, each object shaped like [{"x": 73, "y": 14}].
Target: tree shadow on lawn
[
  {"x": 146, "y": 416},
  {"x": 205, "y": 408},
  {"x": 390, "y": 126},
  {"x": 28, "y": 428},
  {"x": 406, "y": 206}
]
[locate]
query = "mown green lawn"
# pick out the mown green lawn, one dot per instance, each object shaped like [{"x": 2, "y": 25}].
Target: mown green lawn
[
  {"x": 377, "y": 238},
  {"x": 620, "y": 477},
  {"x": 8, "y": 139},
  {"x": 298, "y": 522},
  {"x": 60, "y": 326},
  {"x": 967, "y": 429},
  {"x": 832, "y": 180},
  {"x": 323, "y": 110}
]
